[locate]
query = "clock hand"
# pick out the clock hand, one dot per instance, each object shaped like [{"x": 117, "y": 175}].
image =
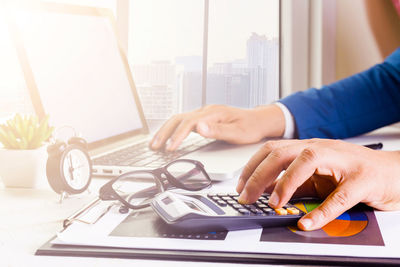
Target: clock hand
[
  {"x": 79, "y": 166},
  {"x": 71, "y": 167}
]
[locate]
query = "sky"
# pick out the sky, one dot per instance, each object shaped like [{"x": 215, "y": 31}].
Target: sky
[{"x": 162, "y": 30}]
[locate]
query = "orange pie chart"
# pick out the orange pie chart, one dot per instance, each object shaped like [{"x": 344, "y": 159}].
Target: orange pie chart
[{"x": 348, "y": 224}]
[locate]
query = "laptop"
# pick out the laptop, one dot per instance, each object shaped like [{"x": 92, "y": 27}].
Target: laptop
[{"x": 77, "y": 73}]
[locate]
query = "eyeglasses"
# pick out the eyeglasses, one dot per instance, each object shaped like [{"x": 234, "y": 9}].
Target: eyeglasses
[{"x": 136, "y": 189}]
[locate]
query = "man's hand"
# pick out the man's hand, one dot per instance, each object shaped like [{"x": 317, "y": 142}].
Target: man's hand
[
  {"x": 343, "y": 174},
  {"x": 234, "y": 125}
]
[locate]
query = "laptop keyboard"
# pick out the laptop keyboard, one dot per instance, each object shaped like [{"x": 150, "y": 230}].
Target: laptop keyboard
[{"x": 140, "y": 155}]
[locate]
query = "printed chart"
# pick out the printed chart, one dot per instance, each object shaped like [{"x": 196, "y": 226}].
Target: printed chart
[
  {"x": 146, "y": 223},
  {"x": 357, "y": 226}
]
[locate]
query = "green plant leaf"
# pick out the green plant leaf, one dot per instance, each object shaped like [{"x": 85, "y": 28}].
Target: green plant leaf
[
  {"x": 19, "y": 126},
  {"x": 25, "y": 132},
  {"x": 30, "y": 133},
  {"x": 4, "y": 139},
  {"x": 12, "y": 140},
  {"x": 11, "y": 126}
]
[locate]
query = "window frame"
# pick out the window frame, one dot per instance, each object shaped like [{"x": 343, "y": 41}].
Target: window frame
[{"x": 308, "y": 44}]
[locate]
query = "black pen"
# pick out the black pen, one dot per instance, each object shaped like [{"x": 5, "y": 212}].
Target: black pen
[{"x": 375, "y": 146}]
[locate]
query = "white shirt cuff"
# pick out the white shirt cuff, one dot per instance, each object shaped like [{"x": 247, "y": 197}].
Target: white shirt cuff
[{"x": 289, "y": 122}]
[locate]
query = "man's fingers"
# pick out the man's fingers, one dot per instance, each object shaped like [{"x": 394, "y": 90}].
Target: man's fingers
[
  {"x": 191, "y": 123},
  {"x": 255, "y": 161},
  {"x": 295, "y": 146},
  {"x": 162, "y": 135},
  {"x": 345, "y": 196},
  {"x": 267, "y": 171},
  {"x": 176, "y": 129},
  {"x": 300, "y": 170},
  {"x": 181, "y": 132},
  {"x": 318, "y": 160},
  {"x": 305, "y": 190}
]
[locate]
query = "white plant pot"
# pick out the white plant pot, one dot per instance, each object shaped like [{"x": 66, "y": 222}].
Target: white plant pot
[{"x": 24, "y": 168}]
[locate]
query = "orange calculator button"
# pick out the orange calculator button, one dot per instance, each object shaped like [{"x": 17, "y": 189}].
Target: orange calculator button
[
  {"x": 281, "y": 211},
  {"x": 293, "y": 211}
]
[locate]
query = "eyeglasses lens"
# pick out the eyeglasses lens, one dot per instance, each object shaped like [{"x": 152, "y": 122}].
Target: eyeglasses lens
[{"x": 189, "y": 174}]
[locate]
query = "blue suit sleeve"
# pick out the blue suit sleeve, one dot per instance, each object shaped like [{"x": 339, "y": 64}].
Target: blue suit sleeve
[{"x": 349, "y": 107}]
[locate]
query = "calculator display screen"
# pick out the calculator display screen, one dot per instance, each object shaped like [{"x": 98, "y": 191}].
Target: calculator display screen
[
  {"x": 166, "y": 200},
  {"x": 193, "y": 206}
]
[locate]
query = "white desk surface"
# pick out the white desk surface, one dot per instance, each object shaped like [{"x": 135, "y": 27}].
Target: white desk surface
[{"x": 30, "y": 217}]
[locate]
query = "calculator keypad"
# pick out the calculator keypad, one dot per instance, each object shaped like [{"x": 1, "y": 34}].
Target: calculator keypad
[{"x": 259, "y": 208}]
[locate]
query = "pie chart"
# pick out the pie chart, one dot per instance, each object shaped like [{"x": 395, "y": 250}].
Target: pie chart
[{"x": 348, "y": 224}]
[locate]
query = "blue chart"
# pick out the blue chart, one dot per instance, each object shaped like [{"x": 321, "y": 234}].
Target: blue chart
[{"x": 357, "y": 226}]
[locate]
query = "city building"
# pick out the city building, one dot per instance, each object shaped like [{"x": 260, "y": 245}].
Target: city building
[
  {"x": 167, "y": 88},
  {"x": 263, "y": 67},
  {"x": 156, "y": 85}
]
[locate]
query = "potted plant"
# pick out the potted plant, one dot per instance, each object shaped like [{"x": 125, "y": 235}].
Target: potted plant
[{"x": 23, "y": 156}]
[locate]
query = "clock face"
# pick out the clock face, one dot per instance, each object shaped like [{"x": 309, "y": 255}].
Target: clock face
[{"x": 76, "y": 168}]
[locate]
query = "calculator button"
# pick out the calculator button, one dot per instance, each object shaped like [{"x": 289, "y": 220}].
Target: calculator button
[
  {"x": 226, "y": 198},
  {"x": 293, "y": 211},
  {"x": 281, "y": 211},
  {"x": 222, "y": 195},
  {"x": 256, "y": 211},
  {"x": 233, "y": 195},
  {"x": 250, "y": 206},
  {"x": 215, "y": 198},
  {"x": 258, "y": 202},
  {"x": 235, "y": 198},
  {"x": 237, "y": 206},
  {"x": 265, "y": 201},
  {"x": 222, "y": 203},
  {"x": 269, "y": 211},
  {"x": 244, "y": 211},
  {"x": 231, "y": 202},
  {"x": 211, "y": 195},
  {"x": 261, "y": 206}
]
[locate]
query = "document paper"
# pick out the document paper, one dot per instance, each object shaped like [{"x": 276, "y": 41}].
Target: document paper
[{"x": 357, "y": 233}]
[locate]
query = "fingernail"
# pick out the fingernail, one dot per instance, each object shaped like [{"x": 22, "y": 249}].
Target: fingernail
[
  {"x": 306, "y": 224},
  {"x": 203, "y": 128},
  {"x": 244, "y": 197},
  {"x": 273, "y": 199}
]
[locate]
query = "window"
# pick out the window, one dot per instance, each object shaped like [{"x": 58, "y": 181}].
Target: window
[
  {"x": 243, "y": 52},
  {"x": 165, "y": 53},
  {"x": 183, "y": 54},
  {"x": 171, "y": 40}
]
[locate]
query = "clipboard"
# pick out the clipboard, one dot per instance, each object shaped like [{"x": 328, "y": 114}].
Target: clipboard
[{"x": 50, "y": 249}]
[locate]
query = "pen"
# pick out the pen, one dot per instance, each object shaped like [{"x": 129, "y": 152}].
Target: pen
[{"x": 375, "y": 146}]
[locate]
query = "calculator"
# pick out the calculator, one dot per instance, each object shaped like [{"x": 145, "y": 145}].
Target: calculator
[{"x": 220, "y": 211}]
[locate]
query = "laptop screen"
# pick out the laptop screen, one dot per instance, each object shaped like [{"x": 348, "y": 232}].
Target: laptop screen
[{"x": 79, "y": 77}]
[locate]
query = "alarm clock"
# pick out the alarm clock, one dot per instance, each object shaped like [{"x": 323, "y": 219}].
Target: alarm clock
[{"x": 69, "y": 168}]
